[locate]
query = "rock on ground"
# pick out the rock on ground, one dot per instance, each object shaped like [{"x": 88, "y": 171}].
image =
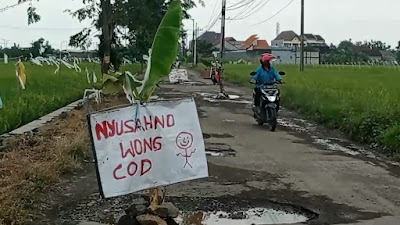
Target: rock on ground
[{"x": 149, "y": 219}]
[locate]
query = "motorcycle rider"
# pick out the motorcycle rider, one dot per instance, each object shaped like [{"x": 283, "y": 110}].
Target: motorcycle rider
[{"x": 265, "y": 74}]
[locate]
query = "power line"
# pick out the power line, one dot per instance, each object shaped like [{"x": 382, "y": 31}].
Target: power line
[
  {"x": 251, "y": 12},
  {"x": 14, "y": 5},
  {"x": 214, "y": 22},
  {"x": 275, "y": 13},
  {"x": 244, "y": 4},
  {"x": 238, "y": 3},
  {"x": 40, "y": 28},
  {"x": 212, "y": 15},
  {"x": 9, "y": 7},
  {"x": 244, "y": 11}
]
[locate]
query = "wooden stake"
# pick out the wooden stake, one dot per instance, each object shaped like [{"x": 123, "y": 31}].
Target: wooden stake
[{"x": 156, "y": 197}]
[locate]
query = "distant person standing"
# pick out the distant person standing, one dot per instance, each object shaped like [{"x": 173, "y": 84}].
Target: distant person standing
[{"x": 1, "y": 103}]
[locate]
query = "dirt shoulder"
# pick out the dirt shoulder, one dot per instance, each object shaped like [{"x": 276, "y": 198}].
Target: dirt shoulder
[{"x": 31, "y": 163}]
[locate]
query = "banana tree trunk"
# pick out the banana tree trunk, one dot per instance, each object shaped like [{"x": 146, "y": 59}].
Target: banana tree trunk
[{"x": 106, "y": 10}]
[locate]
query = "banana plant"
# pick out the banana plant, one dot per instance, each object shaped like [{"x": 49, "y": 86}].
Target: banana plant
[{"x": 160, "y": 58}]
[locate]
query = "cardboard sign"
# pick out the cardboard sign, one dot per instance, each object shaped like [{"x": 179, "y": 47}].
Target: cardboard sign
[
  {"x": 178, "y": 75},
  {"x": 164, "y": 146}
]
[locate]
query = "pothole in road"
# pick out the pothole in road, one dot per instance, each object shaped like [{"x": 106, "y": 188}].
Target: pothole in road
[
  {"x": 216, "y": 98},
  {"x": 252, "y": 216},
  {"x": 193, "y": 83},
  {"x": 219, "y": 152},
  {"x": 202, "y": 113},
  {"x": 224, "y": 135}
]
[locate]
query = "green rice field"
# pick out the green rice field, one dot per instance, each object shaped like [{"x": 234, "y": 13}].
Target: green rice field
[
  {"x": 364, "y": 102},
  {"x": 44, "y": 93}
]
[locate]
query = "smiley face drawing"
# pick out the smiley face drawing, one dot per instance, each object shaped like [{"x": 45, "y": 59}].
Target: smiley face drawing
[{"x": 184, "y": 141}]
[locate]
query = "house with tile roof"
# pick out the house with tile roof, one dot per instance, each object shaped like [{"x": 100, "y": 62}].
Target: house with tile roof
[
  {"x": 248, "y": 50},
  {"x": 290, "y": 39},
  {"x": 254, "y": 43}
]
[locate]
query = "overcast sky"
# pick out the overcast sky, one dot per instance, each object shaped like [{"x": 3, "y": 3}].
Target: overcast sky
[{"x": 335, "y": 20}]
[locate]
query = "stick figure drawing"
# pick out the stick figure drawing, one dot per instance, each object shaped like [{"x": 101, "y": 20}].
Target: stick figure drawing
[{"x": 184, "y": 141}]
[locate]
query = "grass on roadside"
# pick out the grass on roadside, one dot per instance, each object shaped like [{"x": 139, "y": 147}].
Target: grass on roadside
[
  {"x": 45, "y": 91},
  {"x": 29, "y": 164},
  {"x": 363, "y": 102}
]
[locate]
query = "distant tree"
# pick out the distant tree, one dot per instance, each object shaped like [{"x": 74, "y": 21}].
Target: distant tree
[
  {"x": 309, "y": 48},
  {"x": 346, "y": 52},
  {"x": 205, "y": 49},
  {"x": 346, "y": 45},
  {"x": 110, "y": 16},
  {"x": 41, "y": 48},
  {"x": 378, "y": 45},
  {"x": 398, "y": 52}
]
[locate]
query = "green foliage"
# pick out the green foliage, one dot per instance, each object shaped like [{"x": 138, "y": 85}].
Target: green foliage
[
  {"x": 16, "y": 51},
  {"x": 33, "y": 17},
  {"x": 37, "y": 45},
  {"x": 140, "y": 17},
  {"x": 45, "y": 92},
  {"x": 164, "y": 49},
  {"x": 392, "y": 137},
  {"x": 361, "y": 102},
  {"x": 112, "y": 83},
  {"x": 161, "y": 57},
  {"x": 205, "y": 49}
]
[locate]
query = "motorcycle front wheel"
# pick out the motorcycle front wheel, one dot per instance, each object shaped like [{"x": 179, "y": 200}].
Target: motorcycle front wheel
[{"x": 273, "y": 119}]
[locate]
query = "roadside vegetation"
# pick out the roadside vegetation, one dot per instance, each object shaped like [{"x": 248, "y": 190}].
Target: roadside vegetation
[
  {"x": 44, "y": 93},
  {"x": 31, "y": 163}
]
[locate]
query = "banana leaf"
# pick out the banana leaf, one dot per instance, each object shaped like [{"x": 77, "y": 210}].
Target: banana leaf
[
  {"x": 164, "y": 50},
  {"x": 111, "y": 84}
]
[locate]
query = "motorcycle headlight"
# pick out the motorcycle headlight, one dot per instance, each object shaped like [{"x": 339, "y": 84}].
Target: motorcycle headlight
[{"x": 271, "y": 98}]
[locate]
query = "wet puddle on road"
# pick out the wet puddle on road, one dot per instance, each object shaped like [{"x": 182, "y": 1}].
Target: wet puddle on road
[
  {"x": 210, "y": 97},
  {"x": 329, "y": 143},
  {"x": 220, "y": 153},
  {"x": 217, "y": 135},
  {"x": 193, "y": 83},
  {"x": 256, "y": 216}
]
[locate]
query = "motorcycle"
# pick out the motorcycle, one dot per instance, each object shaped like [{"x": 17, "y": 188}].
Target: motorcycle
[
  {"x": 217, "y": 75},
  {"x": 215, "y": 72},
  {"x": 213, "y": 75},
  {"x": 270, "y": 95}
]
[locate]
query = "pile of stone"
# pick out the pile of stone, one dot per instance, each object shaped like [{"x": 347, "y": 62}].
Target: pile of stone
[{"x": 163, "y": 214}]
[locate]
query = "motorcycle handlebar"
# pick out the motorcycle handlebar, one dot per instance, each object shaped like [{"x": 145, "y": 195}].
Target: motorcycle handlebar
[{"x": 281, "y": 82}]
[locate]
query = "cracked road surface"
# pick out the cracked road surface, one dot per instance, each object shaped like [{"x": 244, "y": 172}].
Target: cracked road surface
[{"x": 259, "y": 168}]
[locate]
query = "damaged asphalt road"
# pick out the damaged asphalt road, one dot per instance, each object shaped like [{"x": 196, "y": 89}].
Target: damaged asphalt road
[{"x": 251, "y": 167}]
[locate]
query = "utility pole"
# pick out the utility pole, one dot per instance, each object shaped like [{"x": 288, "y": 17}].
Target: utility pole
[
  {"x": 223, "y": 13},
  {"x": 195, "y": 47},
  {"x": 5, "y": 42},
  {"x": 193, "y": 40},
  {"x": 107, "y": 33},
  {"x": 302, "y": 38},
  {"x": 66, "y": 43},
  {"x": 5, "y": 55}
]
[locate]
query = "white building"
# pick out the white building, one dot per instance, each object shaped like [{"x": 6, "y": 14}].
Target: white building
[
  {"x": 288, "y": 39},
  {"x": 284, "y": 55},
  {"x": 287, "y": 55}
]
